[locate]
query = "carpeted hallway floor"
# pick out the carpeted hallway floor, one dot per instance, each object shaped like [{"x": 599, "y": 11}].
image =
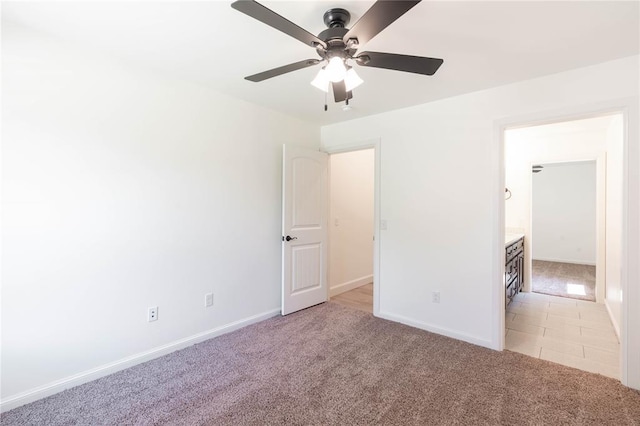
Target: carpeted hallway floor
[{"x": 332, "y": 365}]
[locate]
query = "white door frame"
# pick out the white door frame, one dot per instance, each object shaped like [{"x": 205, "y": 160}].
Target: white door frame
[
  {"x": 630, "y": 256},
  {"x": 359, "y": 146}
]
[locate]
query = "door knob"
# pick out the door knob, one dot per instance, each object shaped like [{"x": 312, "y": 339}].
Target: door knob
[{"x": 288, "y": 238}]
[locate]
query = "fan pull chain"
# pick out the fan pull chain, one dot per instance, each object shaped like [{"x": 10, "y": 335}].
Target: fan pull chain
[{"x": 325, "y": 101}]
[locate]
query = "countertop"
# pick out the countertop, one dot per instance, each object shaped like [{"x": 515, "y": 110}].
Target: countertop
[{"x": 510, "y": 237}]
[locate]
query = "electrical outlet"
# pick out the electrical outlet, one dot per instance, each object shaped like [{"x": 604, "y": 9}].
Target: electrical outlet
[
  {"x": 208, "y": 300},
  {"x": 152, "y": 314},
  {"x": 435, "y": 297}
]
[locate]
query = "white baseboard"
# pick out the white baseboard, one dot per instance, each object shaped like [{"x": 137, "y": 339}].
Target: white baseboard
[
  {"x": 350, "y": 285},
  {"x": 438, "y": 330},
  {"x": 574, "y": 262},
  {"x": 104, "y": 370},
  {"x": 616, "y": 326}
]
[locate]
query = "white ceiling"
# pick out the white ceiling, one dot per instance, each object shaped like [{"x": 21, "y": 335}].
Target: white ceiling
[
  {"x": 598, "y": 125},
  {"x": 484, "y": 44}
]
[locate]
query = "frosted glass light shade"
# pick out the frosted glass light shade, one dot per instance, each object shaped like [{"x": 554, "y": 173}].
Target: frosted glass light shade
[
  {"x": 352, "y": 80},
  {"x": 336, "y": 69},
  {"x": 321, "y": 81}
]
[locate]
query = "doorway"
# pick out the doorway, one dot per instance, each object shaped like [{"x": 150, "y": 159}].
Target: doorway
[
  {"x": 578, "y": 333},
  {"x": 563, "y": 229},
  {"x": 351, "y": 228}
]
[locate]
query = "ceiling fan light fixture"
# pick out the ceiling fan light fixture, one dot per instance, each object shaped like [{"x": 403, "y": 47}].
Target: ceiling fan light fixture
[
  {"x": 338, "y": 45},
  {"x": 352, "y": 80},
  {"x": 336, "y": 70},
  {"x": 321, "y": 81}
]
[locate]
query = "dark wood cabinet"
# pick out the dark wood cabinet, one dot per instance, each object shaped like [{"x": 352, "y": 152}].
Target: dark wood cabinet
[{"x": 514, "y": 269}]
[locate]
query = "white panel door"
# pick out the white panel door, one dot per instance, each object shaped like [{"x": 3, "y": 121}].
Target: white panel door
[{"x": 304, "y": 228}]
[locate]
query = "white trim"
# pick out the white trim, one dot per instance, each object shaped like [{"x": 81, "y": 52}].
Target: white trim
[
  {"x": 350, "y": 285},
  {"x": 601, "y": 227},
  {"x": 376, "y": 145},
  {"x": 498, "y": 296},
  {"x": 630, "y": 280},
  {"x": 124, "y": 363},
  {"x": 573, "y": 262},
  {"x": 616, "y": 326},
  {"x": 629, "y": 339},
  {"x": 435, "y": 329}
]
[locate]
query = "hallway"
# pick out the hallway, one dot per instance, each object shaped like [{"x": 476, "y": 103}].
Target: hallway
[{"x": 360, "y": 298}]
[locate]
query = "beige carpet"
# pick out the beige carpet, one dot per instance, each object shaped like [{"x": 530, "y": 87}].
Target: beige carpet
[
  {"x": 332, "y": 365},
  {"x": 564, "y": 280}
]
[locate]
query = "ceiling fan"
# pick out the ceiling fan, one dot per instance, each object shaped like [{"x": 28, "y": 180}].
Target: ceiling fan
[{"x": 338, "y": 44}]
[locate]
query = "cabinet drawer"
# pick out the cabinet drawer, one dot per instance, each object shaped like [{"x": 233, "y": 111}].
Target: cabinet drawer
[
  {"x": 513, "y": 270},
  {"x": 518, "y": 246},
  {"x": 513, "y": 250}
]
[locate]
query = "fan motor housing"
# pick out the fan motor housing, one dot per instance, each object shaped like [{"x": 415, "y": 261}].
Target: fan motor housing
[
  {"x": 336, "y": 18},
  {"x": 336, "y": 21},
  {"x": 331, "y": 35}
]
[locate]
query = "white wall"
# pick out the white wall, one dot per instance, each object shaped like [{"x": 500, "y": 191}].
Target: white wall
[
  {"x": 351, "y": 220},
  {"x": 122, "y": 190},
  {"x": 564, "y": 213},
  {"x": 574, "y": 140},
  {"x": 440, "y": 180}
]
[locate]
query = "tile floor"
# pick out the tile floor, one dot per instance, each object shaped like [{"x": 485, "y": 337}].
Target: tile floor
[{"x": 571, "y": 332}]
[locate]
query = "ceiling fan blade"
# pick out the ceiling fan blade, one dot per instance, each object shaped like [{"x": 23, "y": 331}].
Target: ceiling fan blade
[
  {"x": 382, "y": 14},
  {"x": 269, "y": 17},
  {"x": 282, "y": 70},
  {"x": 393, "y": 61},
  {"x": 340, "y": 93}
]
